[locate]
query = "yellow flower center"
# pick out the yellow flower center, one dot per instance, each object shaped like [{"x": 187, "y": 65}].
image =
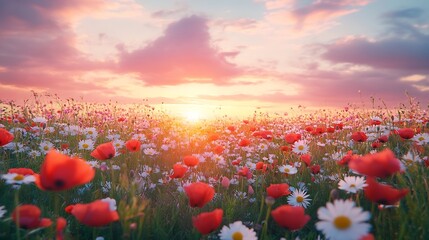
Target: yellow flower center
[
  {"x": 352, "y": 186},
  {"x": 342, "y": 222},
  {"x": 287, "y": 170},
  {"x": 301, "y": 148},
  {"x": 85, "y": 145},
  {"x": 18, "y": 177},
  {"x": 46, "y": 148},
  {"x": 237, "y": 236},
  {"x": 421, "y": 138},
  {"x": 299, "y": 199},
  {"x": 90, "y": 132}
]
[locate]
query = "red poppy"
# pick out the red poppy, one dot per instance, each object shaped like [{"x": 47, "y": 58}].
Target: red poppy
[
  {"x": 5, "y": 137},
  {"x": 346, "y": 159},
  {"x": 309, "y": 128},
  {"x": 338, "y": 126},
  {"x": 104, "y": 151},
  {"x": 290, "y": 217},
  {"x": 318, "y": 131},
  {"x": 95, "y": 214},
  {"x": 133, "y": 145},
  {"x": 359, "y": 137},
  {"x": 374, "y": 122},
  {"x": 375, "y": 144},
  {"x": 383, "y": 139},
  {"x": 245, "y": 172},
  {"x": 291, "y": 138},
  {"x": 264, "y": 134},
  {"x": 231, "y": 128},
  {"x": 61, "y": 225},
  {"x": 178, "y": 171},
  {"x": 199, "y": 194},
  {"x": 315, "y": 169},
  {"x": 382, "y": 193},
  {"x": 261, "y": 166},
  {"x": 236, "y": 162},
  {"x": 369, "y": 236},
  {"x": 381, "y": 164},
  {"x": 306, "y": 158},
  {"x": 406, "y": 133},
  {"x": 218, "y": 149},
  {"x": 244, "y": 142},
  {"x": 278, "y": 190},
  {"x": 190, "y": 161},
  {"x": 207, "y": 222},
  {"x": 61, "y": 172},
  {"x": 285, "y": 148},
  {"x": 28, "y": 217},
  {"x": 213, "y": 137},
  {"x": 69, "y": 208},
  {"x": 21, "y": 171}
]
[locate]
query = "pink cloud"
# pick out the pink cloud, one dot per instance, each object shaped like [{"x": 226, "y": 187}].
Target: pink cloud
[
  {"x": 38, "y": 47},
  {"x": 315, "y": 15},
  {"x": 335, "y": 88},
  {"x": 237, "y": 25},
  {"x": 183, "y": 54}
]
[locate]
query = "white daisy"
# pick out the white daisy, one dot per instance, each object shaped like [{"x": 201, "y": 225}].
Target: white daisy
[
  {"x": 2, "y": 211},
  {"x": 299, "y": 197},
  {"x": 90, "y": 132},
  {"x": 40, "y": 120},
  {"x": 87, "y": 144},
  {"x": 300, "y": 147},
  {"x": 111, "y": 202},
  {"x": 421, "y": 138},
  {"x": 237, "y": 231},
  {"x": 15, "y": 178},
  {"x": 71, "y": 130},
  {"x": 45, "y": 146},
  {"x": 118, "y": 143},
  {"x": 352, "y": 184},
  {"x": 288, "y": 169},
  {"x": 34, "y": 153},
  {"x": 49, "y": 130},
  {"x": 411, "y": 157},
  {"x": 343, "y": 221},
  {"x": 150, "y": 151},
  {"x": 139, "y": 136}
]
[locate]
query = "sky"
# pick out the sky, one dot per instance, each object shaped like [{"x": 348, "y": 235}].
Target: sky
[{"x": 209, "y": 55}]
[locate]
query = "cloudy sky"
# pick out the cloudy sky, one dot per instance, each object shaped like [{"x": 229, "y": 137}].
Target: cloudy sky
[{"x": 270, "y": 54}]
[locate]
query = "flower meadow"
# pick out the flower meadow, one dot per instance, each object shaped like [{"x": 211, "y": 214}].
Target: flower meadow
[{"x": 73, "y": 170}]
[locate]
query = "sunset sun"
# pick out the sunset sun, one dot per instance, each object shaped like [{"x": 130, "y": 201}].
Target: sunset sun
[{"x": 192, "y": 116}]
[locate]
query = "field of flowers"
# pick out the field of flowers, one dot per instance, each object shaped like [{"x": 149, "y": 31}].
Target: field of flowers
[{"x": 72, "y": 170}]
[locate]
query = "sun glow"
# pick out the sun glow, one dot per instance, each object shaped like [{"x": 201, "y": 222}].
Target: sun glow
[{"x": 192, "y": 116}]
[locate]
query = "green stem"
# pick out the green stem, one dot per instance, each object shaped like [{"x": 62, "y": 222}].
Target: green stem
[
  {"x": 18, "y": 234},
  {"x": 265, "y": 228},
  {"x": 260, "y": 210}
]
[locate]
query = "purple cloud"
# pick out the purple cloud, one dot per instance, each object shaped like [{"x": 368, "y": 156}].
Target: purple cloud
[{"x": 404, "y": 48}]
